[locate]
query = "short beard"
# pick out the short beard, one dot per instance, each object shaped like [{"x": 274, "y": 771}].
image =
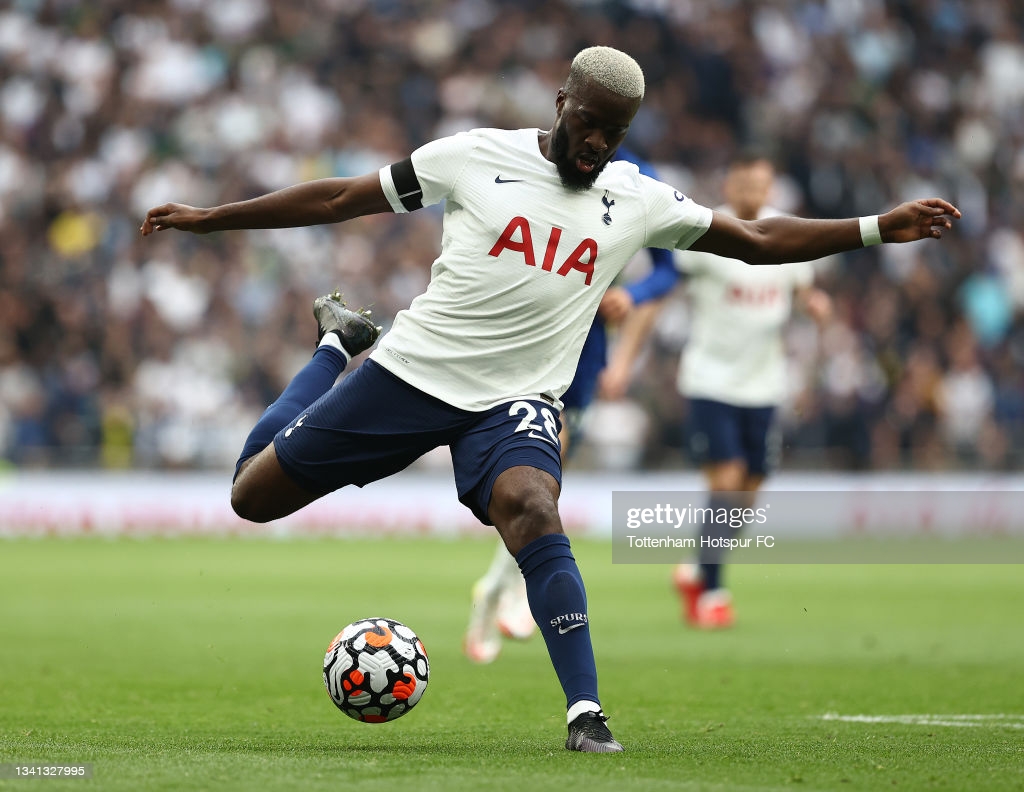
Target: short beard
[{"x": 572, "y": 177}]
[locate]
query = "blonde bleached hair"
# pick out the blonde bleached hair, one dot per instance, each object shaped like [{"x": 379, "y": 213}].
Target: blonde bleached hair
[{"x": 612, "y": 68}]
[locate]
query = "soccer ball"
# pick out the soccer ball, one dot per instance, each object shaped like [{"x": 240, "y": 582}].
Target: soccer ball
[{"x": 376, "y": 670}]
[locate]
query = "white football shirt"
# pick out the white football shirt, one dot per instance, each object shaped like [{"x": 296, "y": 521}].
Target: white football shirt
[
  {"x": 524, "y": 263},
  {"x": 735, "y": 351}
]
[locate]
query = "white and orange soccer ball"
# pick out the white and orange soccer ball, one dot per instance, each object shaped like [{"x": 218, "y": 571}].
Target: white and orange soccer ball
[{"x": 376, "y": 670}]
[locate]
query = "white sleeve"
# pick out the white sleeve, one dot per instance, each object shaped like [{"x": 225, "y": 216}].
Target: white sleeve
[
  {"x": 673, "y": 220},
  {"x": 429, "y": 175},
  {"x": 690, "y": 262},
  {"x": 801, "y": 272}
]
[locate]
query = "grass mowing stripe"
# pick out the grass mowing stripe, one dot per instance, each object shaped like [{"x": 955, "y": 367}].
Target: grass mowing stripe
[{"x": 195, "y": 664}]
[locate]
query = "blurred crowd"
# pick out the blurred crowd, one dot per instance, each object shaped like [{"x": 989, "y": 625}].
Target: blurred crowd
[{"x": 120, "y": 351}]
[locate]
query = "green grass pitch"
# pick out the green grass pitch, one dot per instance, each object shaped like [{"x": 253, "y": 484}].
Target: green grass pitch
[{"x": 195, "y": 664}]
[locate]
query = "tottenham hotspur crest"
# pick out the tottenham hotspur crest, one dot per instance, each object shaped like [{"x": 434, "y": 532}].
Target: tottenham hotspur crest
[{"x": 607, "y": 217}]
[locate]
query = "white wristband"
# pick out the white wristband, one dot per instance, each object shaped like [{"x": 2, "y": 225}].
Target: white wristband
[{"x": 869, "y": 233}]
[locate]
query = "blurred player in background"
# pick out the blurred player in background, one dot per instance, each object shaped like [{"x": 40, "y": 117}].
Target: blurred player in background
[
  {"x": 732, "y": 372},
  {"x": 499, "y": 606}
]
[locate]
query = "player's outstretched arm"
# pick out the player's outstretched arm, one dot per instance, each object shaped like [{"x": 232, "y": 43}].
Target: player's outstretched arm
[
  {"x": 783, "y": 239},
  {"x": 310, "y": 203}
]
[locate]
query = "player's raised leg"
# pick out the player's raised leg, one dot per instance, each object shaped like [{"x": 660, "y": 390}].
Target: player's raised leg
[
  {"x": 261, "y": 490},
  {"x": 524, "y": 509}
]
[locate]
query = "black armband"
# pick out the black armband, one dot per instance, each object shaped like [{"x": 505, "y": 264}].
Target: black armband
[{"x": 407, "y": 185}]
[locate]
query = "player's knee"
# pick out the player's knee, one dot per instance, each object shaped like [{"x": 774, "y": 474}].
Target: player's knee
[
  {"x": 246, "y": 504},
  {"x": 533, "y": 505},
  {"x": 524, "y": 506},
  {"x": 728, "y": 476},
  {"x": 240, "y": 503},
  {"x": 261, "y": 492},
  {"x": 524, "y": 515}
]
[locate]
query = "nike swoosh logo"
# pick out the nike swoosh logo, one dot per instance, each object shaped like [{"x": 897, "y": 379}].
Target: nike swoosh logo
[
  {"x": 679, "y": 196},
  {"x": 563, "y": 629},
  {"x": 499, "y": 180},
  {"x": 535, "y": 436}
]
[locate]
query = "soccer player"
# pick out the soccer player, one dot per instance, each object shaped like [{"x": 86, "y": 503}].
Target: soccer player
[
  {"x": 499, "y": 605},
  {"x": 732, "y": 372},
  {"x": 537, "y": 225}
]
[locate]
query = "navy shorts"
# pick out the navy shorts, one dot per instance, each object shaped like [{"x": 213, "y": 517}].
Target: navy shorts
[
  {"x": 719, "y": 432},
  {"x": 373, "y": 424}
]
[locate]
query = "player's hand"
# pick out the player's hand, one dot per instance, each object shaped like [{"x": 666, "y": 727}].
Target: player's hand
[
  {"x": 818, "y": 305},
  {"x": 179, "y": 216},
  {"x": 615, "y": 304},
  {"x": 914, "y": 220},
  {"x": 612, "y": 383}
]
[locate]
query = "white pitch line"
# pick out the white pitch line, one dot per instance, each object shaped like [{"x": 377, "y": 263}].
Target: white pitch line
[{"x": 1001, "y": 720}]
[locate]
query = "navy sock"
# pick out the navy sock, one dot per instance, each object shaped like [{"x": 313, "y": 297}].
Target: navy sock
[
  {"x": 313, "y": 381},
  {"x": 710, "y": 575},
  {"x": 711, "y": 558},
  {"x": 558, "y": 601}
]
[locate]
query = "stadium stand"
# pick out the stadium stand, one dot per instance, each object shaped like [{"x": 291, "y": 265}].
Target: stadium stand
[{"x": 117, "y": 354}]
